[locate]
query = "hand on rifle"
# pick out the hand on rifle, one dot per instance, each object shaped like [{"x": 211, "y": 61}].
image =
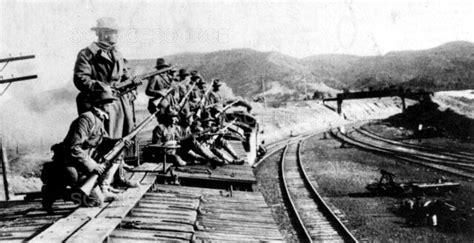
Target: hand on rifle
[
  {"x": 99, "y": 169},
  {"x": 128, "y": 143},
  {"x": 137, "y": 81}
]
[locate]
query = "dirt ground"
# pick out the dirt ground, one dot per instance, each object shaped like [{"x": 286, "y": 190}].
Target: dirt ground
[{"x": 342, "y": 174}]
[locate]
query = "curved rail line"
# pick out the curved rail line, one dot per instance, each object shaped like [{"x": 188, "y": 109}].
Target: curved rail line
[
  {"x": 411, "y": 155},
  {"x": 431, "y": 154},
  {"x": 279, "y": 145},
  {"x": 436, "y": 149},
  {"x": 315, "y": 219}
]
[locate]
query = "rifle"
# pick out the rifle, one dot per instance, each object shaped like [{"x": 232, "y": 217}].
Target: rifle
[
  {"x": 201, "y": 102},
  {"x": 128, "y": 85},
  {"x": 207, "y": 132},
  {"x": 226, "y": 108},
  {"x": 89, "y": 184},
  {"x": 220, "y": 132},
  {"x": 185, "y": 98}
]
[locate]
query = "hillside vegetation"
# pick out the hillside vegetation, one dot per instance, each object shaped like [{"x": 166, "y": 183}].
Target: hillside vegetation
[{"x": 446, "y": 67}]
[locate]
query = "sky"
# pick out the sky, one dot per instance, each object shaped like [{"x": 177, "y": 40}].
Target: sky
[{"x": 56, "y": 30}]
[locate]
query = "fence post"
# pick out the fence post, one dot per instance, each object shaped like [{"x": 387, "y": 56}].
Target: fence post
[{"x": 5, "y": 166}]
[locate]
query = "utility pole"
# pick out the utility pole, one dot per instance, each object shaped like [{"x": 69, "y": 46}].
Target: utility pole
[
  {"x": 5, "y": 168},
  {"x": 3, "y": 150},
  {"x": 305, "y": 88},
  {"x": 263, "y": 93}
]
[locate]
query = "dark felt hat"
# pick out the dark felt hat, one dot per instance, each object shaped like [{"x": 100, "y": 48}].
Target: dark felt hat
[
  {"x": 216, "y": 83},
  {"x": 183, "y": 72},
  {"x": 161, "y": 63},
  {"x": 101, "y": 97}
]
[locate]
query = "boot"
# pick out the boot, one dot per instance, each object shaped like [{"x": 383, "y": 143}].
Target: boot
[
  {"x": 95, "y": 199},
  {"x": 126, "y": 183},
  {"x": 108, "y": 195},
  {"x": 216, "y": 162},
  {"x": 120, "y": 180},
  {"x": 48, "y": 198},
  {"x": 238, "y": 161},
  {"x": 178, "y": 161}
]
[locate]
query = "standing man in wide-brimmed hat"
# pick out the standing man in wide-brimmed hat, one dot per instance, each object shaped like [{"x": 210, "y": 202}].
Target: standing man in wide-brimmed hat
[
  {"x": 157, "y": 86},
  {"x": 101, "y": 64}
]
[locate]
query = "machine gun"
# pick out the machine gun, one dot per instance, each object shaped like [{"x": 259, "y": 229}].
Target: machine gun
[
  {"x": 129, "y": 85},
  {"x": 201, "y": 102},
  {"x": 89, "y": 184}
]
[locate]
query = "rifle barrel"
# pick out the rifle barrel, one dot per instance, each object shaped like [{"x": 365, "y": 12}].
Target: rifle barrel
[
  {"x": 185, "y": 98},
  {"x": 129, "y": 81},
  {"x": 121, "y": 144}
]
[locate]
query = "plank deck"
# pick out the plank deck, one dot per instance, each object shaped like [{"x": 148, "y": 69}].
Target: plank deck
[
  {"x": 21, "y": 220},
  {"x": 95, "y": 224},
  {"x": 208, "y": 215}
]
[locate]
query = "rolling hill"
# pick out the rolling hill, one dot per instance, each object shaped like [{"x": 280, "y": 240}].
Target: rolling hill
[{"x": 446, "y": 67}]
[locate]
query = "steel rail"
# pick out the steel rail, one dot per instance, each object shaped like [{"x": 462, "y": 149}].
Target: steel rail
[
  {"x": 306, "y": 234},
  {"x": 411, "y": 159},
  {"x": 438, "y": 150},
  {"x": 322, "y": 205}
]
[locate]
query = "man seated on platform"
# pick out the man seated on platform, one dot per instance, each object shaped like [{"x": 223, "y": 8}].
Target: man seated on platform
[
  {"x": 166, "y": 136},
  {"x": 217, "y": 143},
  {"x": 215, "y": 98},
  {"x": 76, "y": 158},
  {"x": 189, "y": 150}
]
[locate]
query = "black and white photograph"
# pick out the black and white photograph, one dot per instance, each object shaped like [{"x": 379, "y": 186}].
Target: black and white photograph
[{"x": 236, "y": 121}]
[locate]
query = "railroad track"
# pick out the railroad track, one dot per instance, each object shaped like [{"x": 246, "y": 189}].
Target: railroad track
[
  {"x": 447, "y": 161},
  {"x": 316, "y": 220},
  {"x": 435, "y": 149},
  {"x": 279, "y": 145}
]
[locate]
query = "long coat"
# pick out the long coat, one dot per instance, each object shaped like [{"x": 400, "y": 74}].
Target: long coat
[{"x": 94, "y": 67}]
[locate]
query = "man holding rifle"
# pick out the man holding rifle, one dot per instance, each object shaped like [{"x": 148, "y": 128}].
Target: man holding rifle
[
  {"x": 99, "y": 65},
  {"x": 215, "y": 98},
  {"x": 179, "y": 145},
  {"x": 76, "y": 158},
  {"x": 157, "y": 85}
]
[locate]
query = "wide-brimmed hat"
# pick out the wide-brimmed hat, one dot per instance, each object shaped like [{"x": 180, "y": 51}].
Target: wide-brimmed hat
[
  {"x": 183, "y": 72},
  {"x": 200, "y": 82},
  {"x": 161, "y": 63},
  {"x": 216, "y": 83},
  {"x": 108, "y": 23},
  {"x": 101, "y": 97}
]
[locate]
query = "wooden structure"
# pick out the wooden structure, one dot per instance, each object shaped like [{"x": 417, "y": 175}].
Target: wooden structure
[
  {"x": 176, "y": 213},
  {"x": 5, "y": 171},
  {"x": 378, "y": 94},
  {"x": 22, "y": 220},
  {"x": 150, "y": 212},
  {"x": 237, "y": 177}
]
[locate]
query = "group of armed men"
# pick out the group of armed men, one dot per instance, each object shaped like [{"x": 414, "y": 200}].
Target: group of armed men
[{"x": 190, "y": 126}]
